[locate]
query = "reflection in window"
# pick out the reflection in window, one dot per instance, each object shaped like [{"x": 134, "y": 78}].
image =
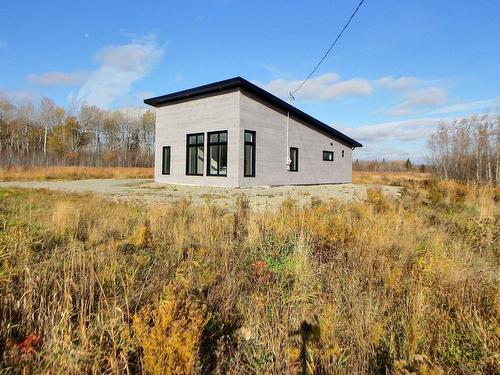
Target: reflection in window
[
  {"x": 194, "y": 154},
  {"x": 217, "y": 154},
  {"x": 328, "y": 155},
  {"x": 249, "y": 154},
  {"x": 294, "y": 159},
  {"x": 165, "y": 168}
]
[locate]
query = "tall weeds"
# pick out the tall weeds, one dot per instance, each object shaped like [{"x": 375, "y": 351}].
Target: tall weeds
[{"x": 91, "y": 286}]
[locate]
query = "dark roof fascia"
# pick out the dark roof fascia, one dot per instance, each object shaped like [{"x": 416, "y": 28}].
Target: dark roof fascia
[
  {"x": 238, "y": 82},
  {"x": 195, "y": 92}
]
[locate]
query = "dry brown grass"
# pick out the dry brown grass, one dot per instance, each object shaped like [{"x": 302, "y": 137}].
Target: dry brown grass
[
  {"x": 388, "y": 178},
  {"x": 400, "y": 286},
  {"x": 72, "y": 173}
]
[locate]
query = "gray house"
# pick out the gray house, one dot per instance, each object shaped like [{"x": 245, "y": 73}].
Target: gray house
[{"x": 233, "y": 133}]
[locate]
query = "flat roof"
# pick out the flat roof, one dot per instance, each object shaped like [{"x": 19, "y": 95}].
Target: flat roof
[{"x": 241, "y": 83}]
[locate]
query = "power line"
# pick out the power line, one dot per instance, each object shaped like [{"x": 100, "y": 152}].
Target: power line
[{"x": 329, "y": 49}]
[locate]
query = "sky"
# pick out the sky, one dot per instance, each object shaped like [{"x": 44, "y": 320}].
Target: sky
[{"x": 400, "y": 68}]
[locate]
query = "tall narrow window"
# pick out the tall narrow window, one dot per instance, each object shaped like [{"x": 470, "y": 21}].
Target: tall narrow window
[
  {"x": 165, "y": 166},
  {"x": 217, "y": 154},
  {"x": 194, "y": 154},
  {"x": 249, "y": 154},
  {"x": 294, "y": 159},
  {"x": 342, "y": 153}
]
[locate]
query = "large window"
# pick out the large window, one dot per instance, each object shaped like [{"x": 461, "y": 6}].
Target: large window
[
  {"x": 294, "y": 159},
  {"x": 194, "y": 154},
  {"x": 217, "y": 154},
  {"x": 328, "y": 155},
  {"x": 249, "y": 154},
  {"x": 165, "y": 166}
]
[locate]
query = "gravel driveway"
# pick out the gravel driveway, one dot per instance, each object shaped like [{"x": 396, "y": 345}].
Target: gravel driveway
[{"x": 147, "y": 191}]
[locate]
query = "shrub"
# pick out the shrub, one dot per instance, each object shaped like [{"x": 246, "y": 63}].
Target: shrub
[
  {"x": 169, "y": 332},
  {"x": 376, "y": 198}
]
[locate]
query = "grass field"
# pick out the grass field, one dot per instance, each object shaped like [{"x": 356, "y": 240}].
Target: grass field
[
  {"x": 71, "y": 173},
  {"x": 388, "y": 178},
  {"x": 80, "y": 173},
  {"x": 88, "y": 285}
]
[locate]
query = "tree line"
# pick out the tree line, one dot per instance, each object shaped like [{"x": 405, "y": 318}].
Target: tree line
[
  {"x": 388, "y": 166},
  {"x": 467, "y": 150},
  {"x": 47, "y": 134}
]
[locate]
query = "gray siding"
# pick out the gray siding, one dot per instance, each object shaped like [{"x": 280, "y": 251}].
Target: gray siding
[
  {"x": 235, "y": 112},
  {"x": 271, "y": 155},
  {"x": 175, "y": 121}
]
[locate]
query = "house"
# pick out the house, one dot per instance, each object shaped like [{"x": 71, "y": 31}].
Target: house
[{"x": 233, "y": 133}]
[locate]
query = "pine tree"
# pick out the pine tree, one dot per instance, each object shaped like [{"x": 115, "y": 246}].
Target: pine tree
[{"x": 408, "y": 165}]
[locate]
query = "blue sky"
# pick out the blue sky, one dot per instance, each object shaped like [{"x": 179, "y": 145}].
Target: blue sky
[{"x": 400, "y": 67}]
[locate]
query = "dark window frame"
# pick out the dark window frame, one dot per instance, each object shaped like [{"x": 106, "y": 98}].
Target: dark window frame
[
  {"x": 165, "y": 170},
  {"x": 254, "y": 146},
  {"x": 218, "y": 143},
  {"x": 194, "y": 145},
  {"x": 294, "y": 168},
  {"x": 328, "y": 153}
]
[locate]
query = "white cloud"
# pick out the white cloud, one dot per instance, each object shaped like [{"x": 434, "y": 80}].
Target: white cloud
[
  {"x": 120, "y": 66},
  {"x": 58, "y": 78},
  {"x": 379, "y": 152},
  {"x": 273, "y": 70},
  {"x": 331, "y": 86},
  {"x": 478, "y": 105},
  {"x": 399, "y": 111},
  {"x": 425, "y": 97},
  {"x": 18, "y": 96},
  {"x": 135, "y": 99},
  {"x": 398, "y": 84},
  {"x": 407, "y": 130},
  {"x": 394, "y": 140},
  {"x": 324, "y": 87}
]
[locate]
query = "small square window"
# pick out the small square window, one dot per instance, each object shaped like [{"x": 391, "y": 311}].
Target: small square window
[{"x": 328, "y": 155}]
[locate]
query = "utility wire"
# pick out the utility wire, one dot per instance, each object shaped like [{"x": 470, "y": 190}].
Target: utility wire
[{"x": 329, "y": 49}]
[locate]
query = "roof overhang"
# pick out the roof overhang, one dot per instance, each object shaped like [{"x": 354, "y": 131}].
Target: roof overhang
[{"x": 240, "y": 83}]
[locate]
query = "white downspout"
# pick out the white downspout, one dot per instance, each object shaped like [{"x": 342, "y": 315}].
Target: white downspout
[{"x": 287, "y": 151}]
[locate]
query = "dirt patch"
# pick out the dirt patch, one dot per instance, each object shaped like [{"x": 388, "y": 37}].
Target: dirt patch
[{"x": 146, "y": 191}]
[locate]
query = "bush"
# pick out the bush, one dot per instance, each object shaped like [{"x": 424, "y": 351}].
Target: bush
[
  {"x": 376, "y": 198},
  {"x": 169, "y": 332}
]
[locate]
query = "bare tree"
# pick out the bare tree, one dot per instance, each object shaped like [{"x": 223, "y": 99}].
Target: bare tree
[
  {"x": 466, "y": 150},
  {"x": 49, "y": 116},
  {"x": 85, "y": 135}
]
